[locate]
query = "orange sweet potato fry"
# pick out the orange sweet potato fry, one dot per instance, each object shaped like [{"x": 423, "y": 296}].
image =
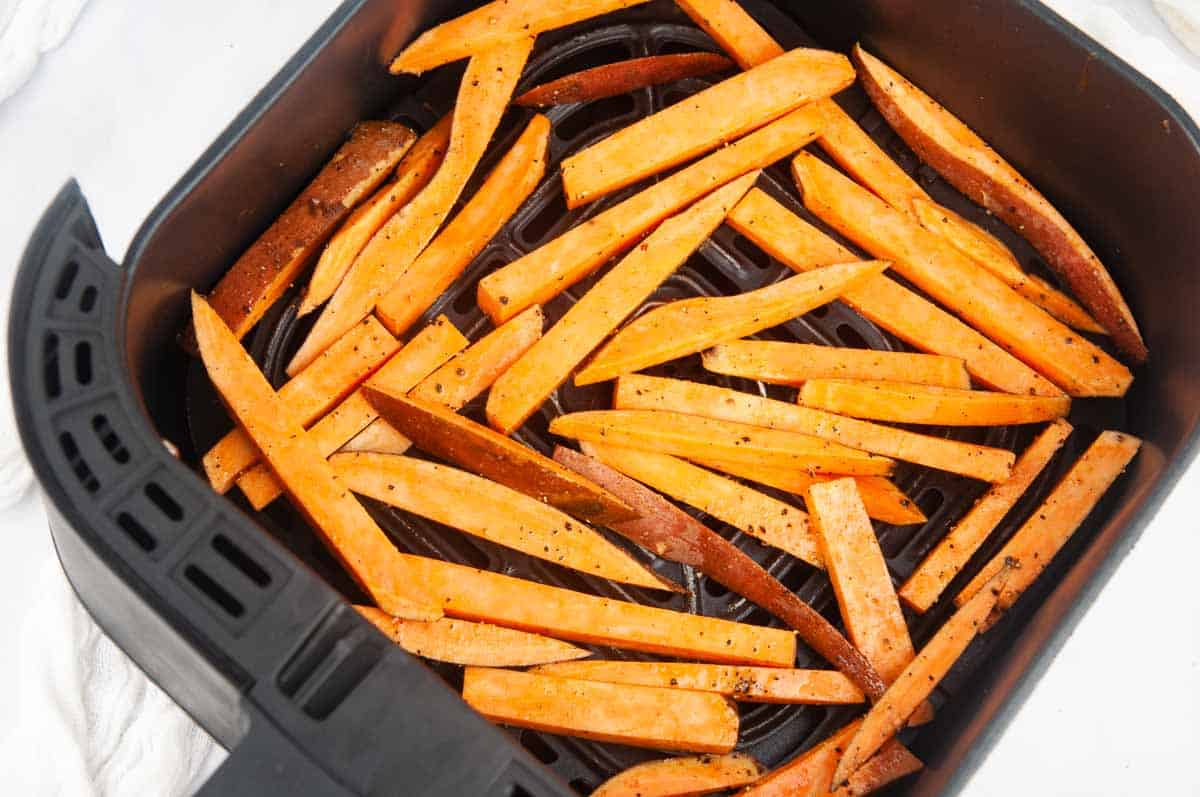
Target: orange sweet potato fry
[
  {"x": 492, "y": 512},
  {"x": 413, "y": 173},
  {"x": 690, "y": 436},
  {"x": 346, "y": 528},
  {"x": 908, "y": 316},
  {"x": 506, "y": 188},
  {"x": 425, "y": 352},
  {"x": 691, "y": 325},
  {"x": 1060, "y": 515},
  {"x": 950, "y": 556},
  {"x": 641, "y": 716},
  {"x": 549, "y": 270},
  {"x": 767, "y": 519},
  {"x": 982, "y": 299},
  {"x": 808, "y": 774},
  {"x": 495, "y": 24},
  {"x": 970, "y": 165},
  {"x": 736, "y": 31},
  {"x": 464, "y": 642},
  {"x": 898, "y": 402},
  {"x": 910, "y": 690},
  {"x": 310, "y": 394},
  {"x": 483, "y": 95},
  {"x": 621, "y": 77},
  {"x": 743, "y": 684},
  {"x": 860, "y": 157},
  {"x": 528, "y": 384},
  {"x": 640, "y": 392},
  {"x": 707, "y": 120},
  {"x": 860, "y": 576},
  {"x": 892, "y": 762},
  {"x": 268, "y": 268},
  {"x": 780, "y": 363},
  {"x": 682, "y": 777}
]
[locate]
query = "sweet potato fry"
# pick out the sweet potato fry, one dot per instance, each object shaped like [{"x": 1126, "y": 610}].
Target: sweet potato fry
[
  {"x": 312, "y": 392},
  {"x": 640, "y": 392},
  {"x": 621, "y": 77},
  {"x": 728, "y": 24},
  {"x": 808, "y": 774},
  {"x": 984, "y": 249},
  {"x": 860, "y": 578},
  {"x": 528, "y": 384},
  {"x": 780, "y": 363},
  {"x": 687, "y": 326},
  {"x": 346, "y": 528},
  {"x": 265, "y": 270},
  {"x": 641, "y": 716},
  {"x": 430, "y": 348},
  {"x": 970, "y": 165},
  {"x": 484, "y": 94},
  {"x": 495, "y": 24},
  {"x": 892, "y": 762},
  {"x": 696, "y": 436},
  {"x": 677, "y": 536},
  {"x": 464, "y": 642},
  {"x": 380, "y": 437},
  {"x": 552, "y": 268},
  {"x": 492, "y": 512},
  {"x": 1059, "y": 516},
  {"x": 950, "y": 556},
  {"x": 933, "y": 265},
  {"x": 898, "y": 402},
  {"x": 765, "y": 518},
  {"x": 414, "y": 172},
  {"x": 682, "y": 777},
  {"x": 444, "y": 433},
  {"x": 707, "y": 120},
  {"x": 860, "y": 157},
  {"x": 908, "y": 316},
  {"x": 743, "y": 684},
  {"x": 506, "y": 188},
  {"x": 919, "y": 678}
]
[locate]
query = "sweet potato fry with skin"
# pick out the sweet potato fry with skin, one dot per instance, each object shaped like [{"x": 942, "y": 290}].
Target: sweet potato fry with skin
[
  {"x": 552, "y": 268},
  {"x": 345, "y": 527},
  {"x": 703, "y": 122},
  {"x": 781, "y": 363},
  {"x": 640, "y": 392},
  {"x": 728, "y": 24},
  {"x": 268, "y": 268},
  {"x": 908, "y": 316},
  {"x": 988, "y": 252},
  {"x": 743, "y": 684},
  {"x": 506, "y": 188},
  {"x": 892, "y": 762},
  {"x": 682, "y": 777},
  {"x": 621, "y": 77},
  {"x": 808, "y": 774},
  {"x": 490, "y": 511},
  {"x": 933, "y": 265},
  {"x": 765, "y": 518},
  {"x": 860, "y": 578},
  {"x": 919, "y": 678},
  {"x": 641, "y": 716},
  {"x": 442, "y": 432},
  {"x": 495, "y": 24},
  {"x": 974, "y": 168},
  {"x": 623, "y": 289},
  {"x": 934, "y": 574},
  {"x": 414, "y": 172},
  {"x": 1059, "y": 516},
  {"x": 483, "y": 95},
  {"x": 691, "y": 325},
  {"x": 464, "y": 642},
  {"x": 695, "y": 436},
  {"x": 312, "y": 392},
  {"x": 430, "y": 348},
  {"x": 897, "y": 402},
  {"x": 678, "y": 537}
]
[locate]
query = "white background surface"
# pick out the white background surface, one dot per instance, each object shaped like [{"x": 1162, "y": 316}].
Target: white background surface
[{"x": 140, "y": 88}]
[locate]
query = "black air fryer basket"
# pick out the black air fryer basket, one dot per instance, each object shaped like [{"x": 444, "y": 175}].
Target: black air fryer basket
[{"x": 243, "y": 618}]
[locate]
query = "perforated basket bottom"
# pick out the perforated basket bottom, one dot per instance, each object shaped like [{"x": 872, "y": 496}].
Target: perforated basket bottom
[{"x": 726, "y": 264}]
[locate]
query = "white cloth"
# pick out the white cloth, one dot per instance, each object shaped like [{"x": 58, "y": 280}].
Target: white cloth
[{"x": 29, "y": 28}]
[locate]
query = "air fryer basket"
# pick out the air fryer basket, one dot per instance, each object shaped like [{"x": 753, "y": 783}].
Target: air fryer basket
[{"x": 243, "y": 629}]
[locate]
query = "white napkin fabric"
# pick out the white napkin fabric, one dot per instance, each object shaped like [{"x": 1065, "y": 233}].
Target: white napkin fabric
[{"x": 29, "y": 28}]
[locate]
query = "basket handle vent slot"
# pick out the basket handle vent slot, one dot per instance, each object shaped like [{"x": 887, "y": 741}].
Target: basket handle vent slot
[
  {"x": 109, "y": 439},
  {"x": 165, "y": 503},
  {"x": 50, "y": 375},
  {"x": 233, "y": 554},
  {"x": 83, "y": 362},
  {"x": 331, "y": 663},
  {"x": 82, "y": 470},
  {"x": 66, "y": 280},
  {"x": 212, "y": 590},
  {"x": 87, "y": 299},
  {"x": 137, "y": 532}
]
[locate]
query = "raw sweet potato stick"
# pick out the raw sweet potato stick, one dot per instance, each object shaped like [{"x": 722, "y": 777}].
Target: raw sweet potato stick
[{"x": 621, "y": 77}]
